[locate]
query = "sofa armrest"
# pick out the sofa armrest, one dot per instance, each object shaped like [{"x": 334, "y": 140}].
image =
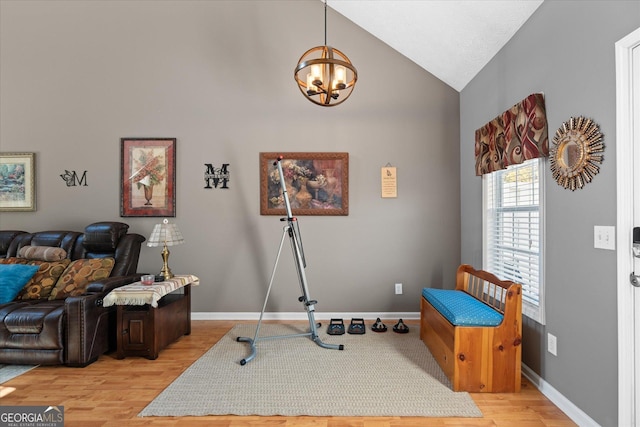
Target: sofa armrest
[
  {"x": 103, "y": 287},
  {"x": 87, "y": 326}
]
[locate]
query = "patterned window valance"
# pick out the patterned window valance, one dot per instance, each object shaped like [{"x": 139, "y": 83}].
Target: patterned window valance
[{"x": 518, "y": 134}]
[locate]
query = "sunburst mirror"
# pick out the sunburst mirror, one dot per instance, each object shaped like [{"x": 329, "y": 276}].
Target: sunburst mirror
[{"x": 576, "y": 152}]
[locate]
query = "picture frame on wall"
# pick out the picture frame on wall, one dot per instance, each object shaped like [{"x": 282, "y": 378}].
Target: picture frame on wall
[
  {"x": 148, "y": 177},
  {"x": 17, "y": 182},
  {"x": 317, "y": 183}
]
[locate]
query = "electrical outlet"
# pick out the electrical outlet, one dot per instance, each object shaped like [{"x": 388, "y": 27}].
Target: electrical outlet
[
  {"x": 552, "y": 344},
  {"x": 398, "y": 288}
]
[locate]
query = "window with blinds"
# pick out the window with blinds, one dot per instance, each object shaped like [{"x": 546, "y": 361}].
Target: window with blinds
[{"x": 513, "y": 230}]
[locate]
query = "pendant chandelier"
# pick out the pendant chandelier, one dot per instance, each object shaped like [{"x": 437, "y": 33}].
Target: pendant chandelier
[{"x": 325, "y": 76}]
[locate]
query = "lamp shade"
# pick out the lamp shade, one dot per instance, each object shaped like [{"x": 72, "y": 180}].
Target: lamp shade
[{"x": 165, "y": 234}]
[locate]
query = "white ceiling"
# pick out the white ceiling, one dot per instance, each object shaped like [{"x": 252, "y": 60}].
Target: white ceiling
[{"x": 452, "y": 39}]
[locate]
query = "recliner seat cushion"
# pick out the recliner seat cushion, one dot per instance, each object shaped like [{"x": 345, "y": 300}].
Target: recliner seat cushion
[{"x": 32, "y": 325}]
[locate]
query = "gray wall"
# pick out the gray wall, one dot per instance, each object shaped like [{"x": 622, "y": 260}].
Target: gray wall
[
  {"x": 76, "y": 76},
  {"x": 565, "y": 50}
]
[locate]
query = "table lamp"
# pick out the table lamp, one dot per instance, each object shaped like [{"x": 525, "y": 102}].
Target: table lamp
[{"x": 167, "y": 235}]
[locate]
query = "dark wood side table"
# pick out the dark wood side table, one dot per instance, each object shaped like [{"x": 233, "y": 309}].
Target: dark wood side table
[{"x": 144, "y": 330}]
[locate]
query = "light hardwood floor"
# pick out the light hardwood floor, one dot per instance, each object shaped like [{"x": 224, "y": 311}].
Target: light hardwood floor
[{"x": 111, "y": 392}]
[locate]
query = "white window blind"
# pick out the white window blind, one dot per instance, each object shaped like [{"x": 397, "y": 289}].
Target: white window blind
[{"x": 513, "y": 231}]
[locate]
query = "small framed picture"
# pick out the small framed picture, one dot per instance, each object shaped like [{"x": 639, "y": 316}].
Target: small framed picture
[
  {"x": 148, "y": 177},
  {"x": 17, "y": 182},
  {"x": 316, "y": 183}
]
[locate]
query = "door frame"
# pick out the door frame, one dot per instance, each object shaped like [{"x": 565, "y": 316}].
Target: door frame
[{"x": 628, "y": 386}]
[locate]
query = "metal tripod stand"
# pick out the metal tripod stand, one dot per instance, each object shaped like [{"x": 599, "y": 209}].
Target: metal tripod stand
[{"x": 292, "y": 230}]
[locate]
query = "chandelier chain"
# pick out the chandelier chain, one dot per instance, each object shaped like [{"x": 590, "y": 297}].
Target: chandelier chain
[{"x": 325, "y": 22}]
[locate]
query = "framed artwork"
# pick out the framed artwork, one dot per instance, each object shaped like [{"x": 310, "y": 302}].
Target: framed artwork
[
  {"x": 316, "y": 183},
  {"x": 148, "y": 177},
  {"x": 17, "y": 182}
]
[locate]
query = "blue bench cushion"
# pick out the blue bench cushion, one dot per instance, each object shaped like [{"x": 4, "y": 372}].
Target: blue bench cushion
[{"x": 461, "y": 309}]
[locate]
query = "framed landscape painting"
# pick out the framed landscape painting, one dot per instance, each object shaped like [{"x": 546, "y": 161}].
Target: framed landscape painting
[
  {"x": 316, "y": 183},
  {"x": 17, "y": 182},
  {"x": 148, "y": 177}
]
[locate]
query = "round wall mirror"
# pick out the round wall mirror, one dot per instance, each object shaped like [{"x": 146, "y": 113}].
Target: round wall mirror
[{"x": 576, "y": 152}]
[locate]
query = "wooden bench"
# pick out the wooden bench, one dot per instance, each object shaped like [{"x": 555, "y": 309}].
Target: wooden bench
[{"x": 477, "y": 358}]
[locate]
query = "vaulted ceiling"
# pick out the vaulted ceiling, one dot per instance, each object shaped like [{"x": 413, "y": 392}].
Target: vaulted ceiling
[{"x": 452, "y": 39}]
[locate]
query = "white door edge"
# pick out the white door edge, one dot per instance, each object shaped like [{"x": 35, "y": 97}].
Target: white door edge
[{"x": 627, "y": 381}]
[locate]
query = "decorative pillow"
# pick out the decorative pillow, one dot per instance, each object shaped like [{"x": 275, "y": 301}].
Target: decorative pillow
[
  {"x": 13, "y": 277},
  {"x": 13, "y": 260},
  {"x": 79, "y": 274},
  {"x": 42, "y": 253},
  {"x": 41, "y": 285}
]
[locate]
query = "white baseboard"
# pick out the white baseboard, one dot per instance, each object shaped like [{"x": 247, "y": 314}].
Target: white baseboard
[
  {"x": 576, "y": 414},
  {"x": 302, "y": 316}
]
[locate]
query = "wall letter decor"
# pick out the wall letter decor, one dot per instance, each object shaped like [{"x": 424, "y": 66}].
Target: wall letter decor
[
  {"x": 215, "y": 176},
  {"x": 71, "y": 178}
]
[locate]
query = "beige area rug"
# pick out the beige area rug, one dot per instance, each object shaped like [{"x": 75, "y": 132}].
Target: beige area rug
[
  {"x": 377, "y": 374},
  {"x": 9, "y": 372}
]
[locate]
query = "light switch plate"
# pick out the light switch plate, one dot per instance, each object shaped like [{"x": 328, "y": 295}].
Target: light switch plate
[{"x": 604, "y": 237}]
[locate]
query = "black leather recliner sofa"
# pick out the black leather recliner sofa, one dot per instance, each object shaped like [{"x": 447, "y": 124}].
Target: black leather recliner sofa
[{"x": 75, "y": 330}]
